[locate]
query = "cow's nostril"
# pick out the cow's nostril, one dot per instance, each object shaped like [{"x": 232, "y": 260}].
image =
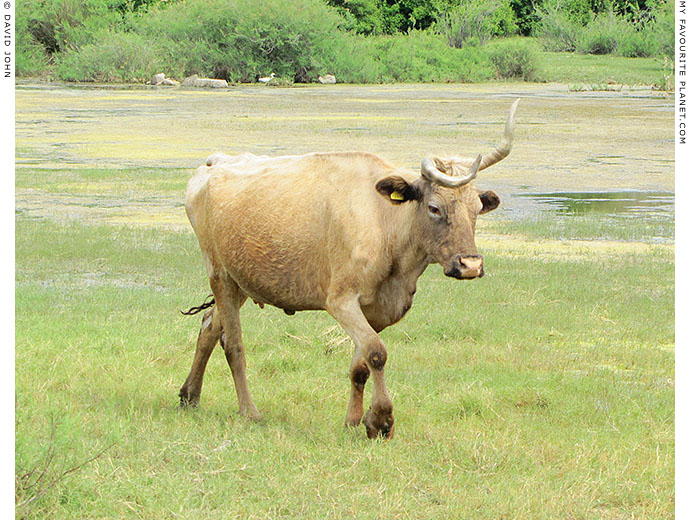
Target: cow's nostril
[{"x": 471, "y": 266}]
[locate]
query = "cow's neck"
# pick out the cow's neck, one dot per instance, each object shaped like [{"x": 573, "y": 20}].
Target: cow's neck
[
  {"x": 408, "y": 257},
  {"x": 410, "y": 263}
]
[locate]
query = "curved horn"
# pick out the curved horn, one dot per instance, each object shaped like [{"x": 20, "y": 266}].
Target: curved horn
[
  {"x": 503, "y": 149},
  {"x": 431, "y": 173}
]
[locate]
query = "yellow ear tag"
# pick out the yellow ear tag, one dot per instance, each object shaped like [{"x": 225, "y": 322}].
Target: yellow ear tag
[{"x": 396, "y": 195}]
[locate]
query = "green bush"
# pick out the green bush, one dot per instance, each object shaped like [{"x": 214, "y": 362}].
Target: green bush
[
  {"x": 362, "y": 16},
  {"x": 419, "y": 56},
  {"x": 477, "y": 19},
  {"x": 424, "y": 57},
  {"x": 239, "y": 40},
  {"x": 639, "y": 44},
  {"x": 557, "y": 29},
  {"x": 614, "y": 34},
  {"x": 61, "y": 25},
  {"x": 118, "y": 57},
  {"x": 515, "y": 58},
  {"x": 358, "y": 63},
  {"x": 626, "y": 31},
  {"x": 49, "y": 29},
  {"x": 603, "y": 34},
  {"x": 526, "y": 16},
  {"x": 32, "y": 59},
  {"x": 653, "y": 33},
  {"x": 662, "y": 28}
]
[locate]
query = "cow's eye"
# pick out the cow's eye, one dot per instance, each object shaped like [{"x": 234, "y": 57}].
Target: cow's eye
[{"x": 434, "y": 210}]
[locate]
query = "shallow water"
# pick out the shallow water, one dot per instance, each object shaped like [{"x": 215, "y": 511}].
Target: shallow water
[
  {"x": 565, "y": 142},
  {"x": 614, "y": 203}
]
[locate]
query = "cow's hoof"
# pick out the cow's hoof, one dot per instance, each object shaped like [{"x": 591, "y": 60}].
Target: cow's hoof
[
  {"x": 251, "y": 414},
  {"x": 379, "y": 424},
  {"x": 187, "y": 400},
  {"x": 254, "y": 417}
]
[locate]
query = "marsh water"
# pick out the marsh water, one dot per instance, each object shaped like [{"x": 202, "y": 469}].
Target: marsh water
[
  {"x": 655, "y": 204},
  {"x": 123, "y": 153}
]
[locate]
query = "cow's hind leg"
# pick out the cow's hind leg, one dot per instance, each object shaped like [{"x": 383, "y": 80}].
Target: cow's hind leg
[
  {"x": 209, "y": 335},
  {"x": 229, "y": 298}
]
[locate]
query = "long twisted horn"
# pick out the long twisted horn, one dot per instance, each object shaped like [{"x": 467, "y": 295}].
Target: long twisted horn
[
  {"x": 503, "y": 149},
  {"x": 431, "y": 173}
]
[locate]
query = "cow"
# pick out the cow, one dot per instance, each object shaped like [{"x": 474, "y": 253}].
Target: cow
[{"x": 344, "y": 232}]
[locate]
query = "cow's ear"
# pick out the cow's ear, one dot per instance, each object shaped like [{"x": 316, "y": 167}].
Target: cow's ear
[
  {"x": 397, "y": 190},
  {"x": 490, "y": 201}
]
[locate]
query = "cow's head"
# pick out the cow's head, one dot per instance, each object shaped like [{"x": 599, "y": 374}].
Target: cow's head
[{"x": 446, "y": 206}]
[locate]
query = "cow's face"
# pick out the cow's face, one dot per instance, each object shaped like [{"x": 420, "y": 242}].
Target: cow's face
[
  {"x": 446, "y": 205},
  {"x": 444, "y": 221}
]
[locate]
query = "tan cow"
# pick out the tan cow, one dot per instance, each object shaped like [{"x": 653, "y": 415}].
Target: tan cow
[{"x": 348, "y": 233}]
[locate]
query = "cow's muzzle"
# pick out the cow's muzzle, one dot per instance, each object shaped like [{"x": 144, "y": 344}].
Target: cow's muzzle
[{"x": 466, "y": 267}]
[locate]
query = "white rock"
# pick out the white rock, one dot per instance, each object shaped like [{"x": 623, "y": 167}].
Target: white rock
[
  {"x": 196, "y": 81},
  {"x": 327, "y": 79}
]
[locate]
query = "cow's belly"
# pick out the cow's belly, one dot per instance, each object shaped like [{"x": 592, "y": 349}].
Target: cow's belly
[
  {"x": 295, "y": 297},
  {"x": 280, "y": 282},
  {"x": 276, "y": 253}
]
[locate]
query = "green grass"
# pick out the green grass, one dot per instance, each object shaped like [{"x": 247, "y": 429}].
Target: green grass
[
  {"x": 145, "y": 182},
  {"x": 543, "y": 390},
  {"x": 659, "y": 229},
  {"x": 569, "y": 67}
]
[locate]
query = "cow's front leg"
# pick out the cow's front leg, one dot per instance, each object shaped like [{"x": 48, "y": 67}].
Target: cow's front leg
[
  {"x": 369, "y": 359},
  {"x": 359, "y": 373}
]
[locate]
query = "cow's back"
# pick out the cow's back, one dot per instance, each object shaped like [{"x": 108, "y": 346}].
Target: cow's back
[{"x": 278, "y": 226}]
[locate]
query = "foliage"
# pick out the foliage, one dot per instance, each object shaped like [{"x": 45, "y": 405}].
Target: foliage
[
  {"x": 525, "y": 15},
  {"x": 117, "y": 57},
  {"x": 238, "y": 40},
  {"x": 32, "y": 59},
  {"x": 619, "y": 29},
  {"x": 363, "y": 16},
  {"x": 515, "y": 58},
  {"x": 419, "y": 57},
  {"x": 477, "y": 19},
  {"x": 390, "y": 17},
  {"x": 233, "y": 40},
  {"x": 660, "y": 27},
  {"x": 602, "y": 35},
  {"x": 580, "y": 12},
  {"x": 611, "y": 33},
  {"x": 404, "y": 15},
  {"x": 556, "y": 29},
  {"x": 59, "y": 26}
]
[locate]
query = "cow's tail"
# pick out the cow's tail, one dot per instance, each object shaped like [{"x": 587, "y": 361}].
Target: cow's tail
[{"x": 195, "y": 310}]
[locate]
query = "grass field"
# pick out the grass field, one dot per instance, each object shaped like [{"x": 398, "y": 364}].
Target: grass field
[
  {"x": 544, "y": 390},
  {"x": 590, "y": 69}
]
